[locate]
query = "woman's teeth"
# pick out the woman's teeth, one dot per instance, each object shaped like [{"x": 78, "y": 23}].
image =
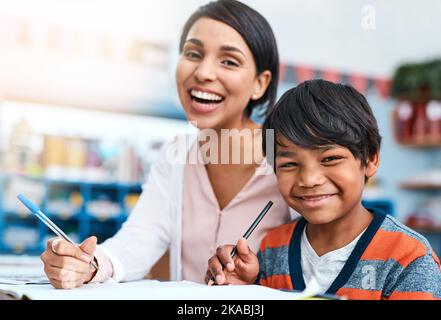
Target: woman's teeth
[{"x": 209, "y": 97}]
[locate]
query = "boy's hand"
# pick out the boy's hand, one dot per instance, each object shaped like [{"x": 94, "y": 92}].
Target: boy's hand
[{"x": 243, "y": 270}]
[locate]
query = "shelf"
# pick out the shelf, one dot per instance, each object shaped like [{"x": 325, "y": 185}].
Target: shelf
[
  {"x": 81, "y": 221},
  {"x": 421, "y": 186}
]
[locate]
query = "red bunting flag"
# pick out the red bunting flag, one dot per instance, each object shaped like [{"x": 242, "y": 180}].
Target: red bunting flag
[
  {"x": 331, "y": 75},
  {"x": 359, "y": 82},
  {"x": 303, "y": 73},
  {"x": 282, "y": 75},
  {"x": 384, "y": 87}
]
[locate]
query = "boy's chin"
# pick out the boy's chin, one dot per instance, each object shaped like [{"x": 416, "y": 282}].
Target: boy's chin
[{"x": 319, "y": 219}]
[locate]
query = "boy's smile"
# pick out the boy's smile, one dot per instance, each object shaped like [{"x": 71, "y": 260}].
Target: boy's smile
[
  {"x": 323, "y": 184},
  {"x": 315, "y": 201}
]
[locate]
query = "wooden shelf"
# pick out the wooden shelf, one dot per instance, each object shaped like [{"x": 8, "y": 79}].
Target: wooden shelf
[{"x": 420, "y": 186}]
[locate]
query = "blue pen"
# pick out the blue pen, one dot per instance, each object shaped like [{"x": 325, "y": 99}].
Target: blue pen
[{"x": 40, "y": 215}]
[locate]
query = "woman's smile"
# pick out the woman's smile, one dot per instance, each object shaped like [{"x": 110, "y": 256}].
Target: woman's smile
[{"x": 204, "y": 101}]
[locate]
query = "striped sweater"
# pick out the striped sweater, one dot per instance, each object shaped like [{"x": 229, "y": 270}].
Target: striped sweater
[{"x": 390, "y": 261}]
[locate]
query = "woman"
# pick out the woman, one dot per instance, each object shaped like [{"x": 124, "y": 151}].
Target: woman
[{"x": 228, "y": 68}]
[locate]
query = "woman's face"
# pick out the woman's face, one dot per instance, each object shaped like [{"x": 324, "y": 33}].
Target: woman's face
[{"x": 216, "y": 76}]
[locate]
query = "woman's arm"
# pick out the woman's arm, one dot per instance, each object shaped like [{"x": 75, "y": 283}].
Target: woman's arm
[{"x": 146, "y": 234}]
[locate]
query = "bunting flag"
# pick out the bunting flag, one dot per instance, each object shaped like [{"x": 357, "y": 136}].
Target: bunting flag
[
  {"x": 331, "y": 75},
  {"x": 384, "y": 87},
  {"x": 303, "y": 73},
  {"x": 359, "y": 82},
  {"x": 299, "y": 73}
]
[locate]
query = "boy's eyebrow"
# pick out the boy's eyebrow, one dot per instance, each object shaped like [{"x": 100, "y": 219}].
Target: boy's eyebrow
[
  {"x": 286, "y": 154},
  {"x": 327, "y": 148}
]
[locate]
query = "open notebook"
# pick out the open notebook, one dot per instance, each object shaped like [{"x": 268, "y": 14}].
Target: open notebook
[
  {"x": 23, "y": 279},
  {"x": 156, "y": 290}
]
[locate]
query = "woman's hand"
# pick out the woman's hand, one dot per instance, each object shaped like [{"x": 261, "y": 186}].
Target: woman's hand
[
  {"x": 240, "y": 270},
  {"x": 67, "y": 266}
]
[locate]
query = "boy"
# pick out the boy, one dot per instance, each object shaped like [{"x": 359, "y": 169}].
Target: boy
[{"x": 326, "y": 148}]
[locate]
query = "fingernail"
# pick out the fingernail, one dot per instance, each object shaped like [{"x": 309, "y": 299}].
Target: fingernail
[
  {"x": 54, "y": 245},
  {"x": 86, "y": 258},
  {"x": 218, "y": 279},
  {"x": 230, "y": 267}
]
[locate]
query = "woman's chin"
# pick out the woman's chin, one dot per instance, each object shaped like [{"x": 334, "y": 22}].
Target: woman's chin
[{"x": 203, "y": 122}]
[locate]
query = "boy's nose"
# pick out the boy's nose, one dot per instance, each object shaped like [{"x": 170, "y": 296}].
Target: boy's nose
[{"x": 310, "y": 178}]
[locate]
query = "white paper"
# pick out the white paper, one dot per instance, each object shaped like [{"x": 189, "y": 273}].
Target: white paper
[
  {"x": 153, "y": 290},
  {"x": 20, "y": 280}
]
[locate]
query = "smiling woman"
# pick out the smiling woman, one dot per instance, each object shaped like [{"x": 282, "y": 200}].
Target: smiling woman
[{"x": 228, "y": 68}]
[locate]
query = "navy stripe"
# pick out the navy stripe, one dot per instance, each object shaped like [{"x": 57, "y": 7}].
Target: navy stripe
[
  {"x": 358, "y": 251},
  {"x": 295, "y": 266}
]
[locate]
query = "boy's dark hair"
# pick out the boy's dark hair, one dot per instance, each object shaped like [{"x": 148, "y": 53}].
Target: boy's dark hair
[
  {"x": 257, "y": 34},
  {"x": 319, "y": 113}
]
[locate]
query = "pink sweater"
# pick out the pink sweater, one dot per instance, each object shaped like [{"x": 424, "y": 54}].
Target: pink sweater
[{"x": 205, "y": 226}]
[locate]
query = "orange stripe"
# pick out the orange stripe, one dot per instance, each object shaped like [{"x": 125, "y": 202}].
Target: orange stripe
[
  {"x": 277, "y": 237},
  {"x": 394, "y": 245},
  {"x": 438, "y": 263},
  {"x": 359, "y": 294},
  {"x": 412, "y": 296},
  {"x": 277, "y": 282}
]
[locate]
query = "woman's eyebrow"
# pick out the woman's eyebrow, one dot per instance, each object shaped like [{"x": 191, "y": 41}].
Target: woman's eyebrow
[
  {"x": 226, "y": 48},
  {"x": 196, "y": 42},
  {"x": 232, "y": 49}
]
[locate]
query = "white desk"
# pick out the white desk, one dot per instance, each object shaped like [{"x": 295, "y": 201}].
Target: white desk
[
  {"x": 138, "y": 290},
  {"x": 151, "y": 290}
]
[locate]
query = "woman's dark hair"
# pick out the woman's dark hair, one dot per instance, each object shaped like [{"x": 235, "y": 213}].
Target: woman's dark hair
[
  {"x": 319, "y": 113},
  {"x": 256, "y": 32}
]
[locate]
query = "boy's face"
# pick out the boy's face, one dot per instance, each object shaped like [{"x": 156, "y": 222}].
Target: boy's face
[{"x": 324, "y": 184}]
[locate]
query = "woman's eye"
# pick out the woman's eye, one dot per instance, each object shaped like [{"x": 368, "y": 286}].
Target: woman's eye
[
  {"x": 192, "y": 55},
  {"x": 230, "y": 63}
]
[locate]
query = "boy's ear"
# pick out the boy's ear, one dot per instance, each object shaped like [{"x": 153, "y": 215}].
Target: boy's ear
[{"x": 372, "y": 165}]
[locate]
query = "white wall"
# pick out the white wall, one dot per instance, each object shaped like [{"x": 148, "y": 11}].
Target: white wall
[{"x": 96, "y": 71}]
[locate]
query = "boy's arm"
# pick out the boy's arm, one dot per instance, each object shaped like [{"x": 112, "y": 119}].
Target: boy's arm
[{"x": 420, "y": 280}]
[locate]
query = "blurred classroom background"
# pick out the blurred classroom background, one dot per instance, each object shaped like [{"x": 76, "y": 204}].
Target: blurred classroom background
[{"x": 87, "y": 97}]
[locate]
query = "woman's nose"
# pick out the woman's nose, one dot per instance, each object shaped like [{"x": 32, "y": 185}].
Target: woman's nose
[{"x": 205, "y": 71}]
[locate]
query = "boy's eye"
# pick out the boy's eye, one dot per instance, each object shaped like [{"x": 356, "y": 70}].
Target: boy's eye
[
  {"x": 331, "y": 159},
  {"x": 288, "y": 165}
]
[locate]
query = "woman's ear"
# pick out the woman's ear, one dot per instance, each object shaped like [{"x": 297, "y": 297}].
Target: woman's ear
[
  {"x": 372, "y": 165},
  {"x": 262, "y": 82}
]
